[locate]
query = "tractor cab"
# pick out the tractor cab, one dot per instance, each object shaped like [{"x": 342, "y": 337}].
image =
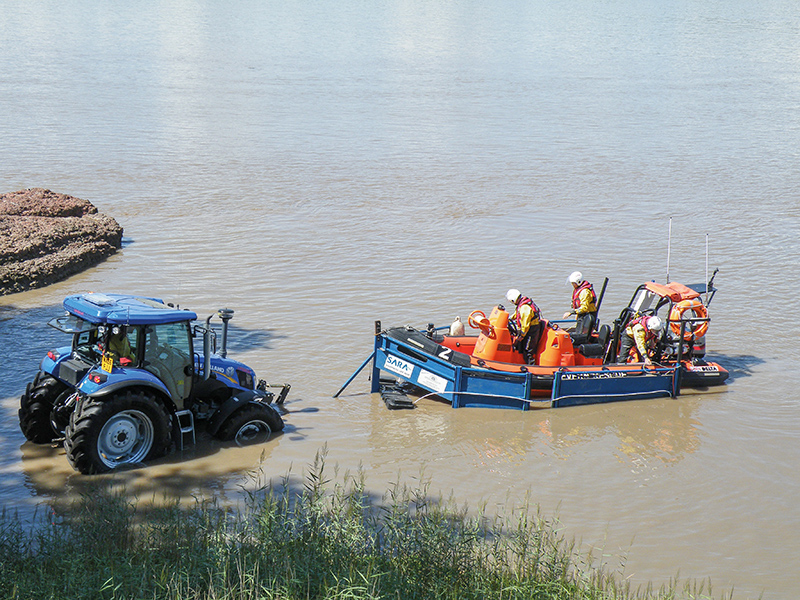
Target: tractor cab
[{"x": 167, "y": 352}]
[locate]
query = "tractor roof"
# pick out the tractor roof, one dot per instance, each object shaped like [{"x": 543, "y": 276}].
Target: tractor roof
[{"x": 123, "y": 309}]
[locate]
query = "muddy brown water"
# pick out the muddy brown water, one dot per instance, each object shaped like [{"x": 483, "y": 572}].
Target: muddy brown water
[{"x": 316, "y": 168}]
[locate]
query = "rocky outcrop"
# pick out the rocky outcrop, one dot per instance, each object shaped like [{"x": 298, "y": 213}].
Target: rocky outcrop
[{"x": 46, "y": 237}]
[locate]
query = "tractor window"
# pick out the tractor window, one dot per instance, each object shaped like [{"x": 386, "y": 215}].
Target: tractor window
[
  {"x": 87, "y": 345},
  {"x": 71, "y": 324},
  {"x": 133, "y": 339},
  {"x": 85, "y": 336},
  {"x": 168, "y": 355},
  {"x": 174, "y": 335},
  {"x": 122, "y": 342}
]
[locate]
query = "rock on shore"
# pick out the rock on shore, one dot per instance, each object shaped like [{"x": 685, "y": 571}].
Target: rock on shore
[{"x": 46, "y": 237}]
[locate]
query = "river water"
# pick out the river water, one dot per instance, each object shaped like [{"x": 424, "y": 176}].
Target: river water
[{"x": 318, "y": 166}]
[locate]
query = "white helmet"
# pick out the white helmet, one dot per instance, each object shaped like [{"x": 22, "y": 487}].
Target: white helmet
[
  {"x": 513, "y": 295},
  {"x": 575, "y": 277},
  {"x": 654, "y": 324}
]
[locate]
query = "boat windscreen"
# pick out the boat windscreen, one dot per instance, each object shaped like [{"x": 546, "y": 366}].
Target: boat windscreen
[{"x": 643, "y": 300}]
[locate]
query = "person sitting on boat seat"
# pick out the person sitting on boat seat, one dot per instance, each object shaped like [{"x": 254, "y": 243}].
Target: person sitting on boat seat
[
  {"x": 527, "y": 319},
  {"x": 641, "y": 333},
  {"x": 584, "y": 307}
]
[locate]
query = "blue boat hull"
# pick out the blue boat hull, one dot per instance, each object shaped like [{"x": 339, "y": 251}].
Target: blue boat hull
[{"x": 450, "y": 376}]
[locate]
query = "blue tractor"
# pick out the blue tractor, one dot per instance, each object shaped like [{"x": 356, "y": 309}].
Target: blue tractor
[{"x": 132, "y": 385}]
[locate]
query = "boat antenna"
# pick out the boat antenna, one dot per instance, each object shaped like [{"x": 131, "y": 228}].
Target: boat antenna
[
  {"x": 706, "y": 269},
  {"x": 669, "y": 245}
]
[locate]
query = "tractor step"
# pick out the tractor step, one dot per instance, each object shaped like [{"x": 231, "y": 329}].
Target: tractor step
[{"x": 185, "y": 425}]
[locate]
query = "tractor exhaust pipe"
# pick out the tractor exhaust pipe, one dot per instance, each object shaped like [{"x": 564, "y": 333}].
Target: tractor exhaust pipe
[
  {"x": 207, "y": 349},
  {"x": 226, "y": 314}
]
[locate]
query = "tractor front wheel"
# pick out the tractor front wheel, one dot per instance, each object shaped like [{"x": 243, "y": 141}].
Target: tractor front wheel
[
  {"x": 128, "y": 428},
  {"x": 35, "y": 407},
  {"x": 252, "y": 424}
]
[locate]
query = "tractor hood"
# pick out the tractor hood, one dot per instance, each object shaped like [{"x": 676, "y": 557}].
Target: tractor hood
[{"x": 122, "y": 309}]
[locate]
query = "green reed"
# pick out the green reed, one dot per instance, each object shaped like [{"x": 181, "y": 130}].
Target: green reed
[{"x": 320, "y": 539}]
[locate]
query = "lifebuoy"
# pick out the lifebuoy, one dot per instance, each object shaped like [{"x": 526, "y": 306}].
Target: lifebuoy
[
  {"x": 477, "y": 320},
  {"x": 692, "y": 329}
]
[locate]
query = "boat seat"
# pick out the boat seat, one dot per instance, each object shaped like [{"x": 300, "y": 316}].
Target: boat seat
[{"x": 597, "y": 349}]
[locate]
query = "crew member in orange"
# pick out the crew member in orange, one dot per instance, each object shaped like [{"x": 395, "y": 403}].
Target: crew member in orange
[
  {"x": 527, "y": 319},
  {"x": 641, "y": 332},
  {"x": 584, "y": 307}
]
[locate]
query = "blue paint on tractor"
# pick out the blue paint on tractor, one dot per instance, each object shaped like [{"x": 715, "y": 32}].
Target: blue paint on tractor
[{"x": 132, "y": 384}]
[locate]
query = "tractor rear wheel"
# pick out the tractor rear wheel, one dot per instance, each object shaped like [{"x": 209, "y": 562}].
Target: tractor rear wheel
[
  {"x": 252, "y": 424},
  {"x": 128, "y": 428},
  {"x": 36, "y": 404}
]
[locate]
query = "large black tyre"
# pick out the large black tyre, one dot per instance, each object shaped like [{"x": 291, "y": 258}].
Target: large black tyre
[
  {"x": 127, "y": 428},
  {"x": 35, "y": 406},
  {"x": 252, "y": 424}
]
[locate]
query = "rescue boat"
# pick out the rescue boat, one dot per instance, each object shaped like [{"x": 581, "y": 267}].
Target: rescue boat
[{"x": 488, "y": 370}]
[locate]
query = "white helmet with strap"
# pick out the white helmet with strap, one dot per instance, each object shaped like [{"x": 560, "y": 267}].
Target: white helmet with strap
[
  {"x": 513, "y": 295},
  {"x": 575, "y": 277}
]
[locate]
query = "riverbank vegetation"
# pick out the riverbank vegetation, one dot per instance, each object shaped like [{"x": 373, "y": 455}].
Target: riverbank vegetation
[{"x": 315, "y": 539}]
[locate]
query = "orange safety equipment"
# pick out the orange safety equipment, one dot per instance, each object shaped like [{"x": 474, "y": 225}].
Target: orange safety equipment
[
  {"x": 537, "y": 314},
  {"x": 477, "y": 320},
  {"x": 692, "y": 329},
  {"x": 495, "y": 342},
  {"x": 576, "y": 295},
  {"x": 642, "y": 320}
]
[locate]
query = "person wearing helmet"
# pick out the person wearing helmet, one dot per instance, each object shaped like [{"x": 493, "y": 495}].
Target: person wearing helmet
[
  {"x": 584, "y": 307},
  {"x": 641, "y": 333},
  {"x": 119, "y": 346},
  {"x": 527, "y": 321}
]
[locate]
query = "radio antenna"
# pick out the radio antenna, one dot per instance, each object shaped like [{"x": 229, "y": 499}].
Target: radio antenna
[
  {"x": 669, "y": 246},
  {"x": 707, "y": 286}
]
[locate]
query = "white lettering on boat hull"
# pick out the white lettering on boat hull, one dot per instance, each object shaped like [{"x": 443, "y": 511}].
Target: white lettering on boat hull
[{"x": 399, "y": 366}]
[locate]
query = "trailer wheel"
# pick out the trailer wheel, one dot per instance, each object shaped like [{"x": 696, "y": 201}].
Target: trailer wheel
[
  {"x": 252, "y": 424},
  {"x": 128, "y": 428},
  {"x": 35, "y": 406}
]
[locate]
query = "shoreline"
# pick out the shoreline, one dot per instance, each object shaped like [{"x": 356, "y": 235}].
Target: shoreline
[{"x": 46, "y": 237}]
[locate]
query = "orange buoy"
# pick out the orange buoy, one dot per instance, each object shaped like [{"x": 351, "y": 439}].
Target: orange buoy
[
  {"x": 477, "y": 320},
  {"x": 692, "y": 329},
  {"x": 495, "y": 342}
]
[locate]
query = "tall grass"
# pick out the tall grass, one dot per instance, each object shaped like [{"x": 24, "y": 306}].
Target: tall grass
[{"x": 323, "y": 539}]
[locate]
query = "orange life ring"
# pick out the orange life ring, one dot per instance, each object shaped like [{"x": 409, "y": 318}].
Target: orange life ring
[
  {"x": 692, "y": 329},
  {"x": 477, "y": 320}
]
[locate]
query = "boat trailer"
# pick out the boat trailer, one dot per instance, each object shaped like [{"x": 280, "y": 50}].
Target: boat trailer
[{"x": 450, "y": 376}]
